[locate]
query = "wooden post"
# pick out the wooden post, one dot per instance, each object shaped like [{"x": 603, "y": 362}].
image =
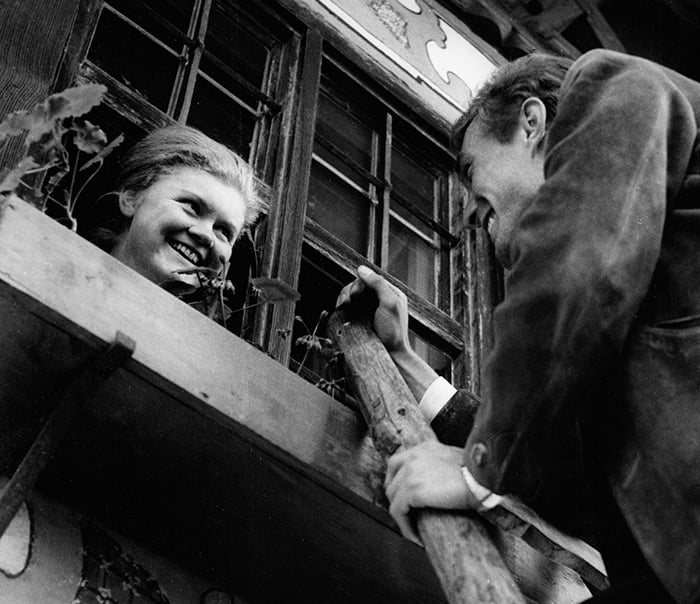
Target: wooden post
[
  {"x": 79, "y": 388},
  {"x": 466, "y": 561}
]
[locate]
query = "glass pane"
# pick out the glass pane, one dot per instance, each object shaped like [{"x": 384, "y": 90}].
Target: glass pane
[
  {"x": 221, "y": 117},
  {"x": 412, "y": 260},
  {"x": 177, "y": 12},
  {"x": 412, "y": 181},
  {"x": 436, "y": 358},
  {"x": 133, "y": 59},
  {"x": 235, "y": 44},
  {"x": 346, "y": 132},
  {"x": 339, "y": 208},
  {"x": 415, "y": 184}
]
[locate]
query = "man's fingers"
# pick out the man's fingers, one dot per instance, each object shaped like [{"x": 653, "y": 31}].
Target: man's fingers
[
  {"x": 394, "y": 464},
  {"x": 392, "y": 485},
  {"x": 388, "y": 294},
  {"x": 350, "y": 291},
  {"x": 400, "y": 510}
]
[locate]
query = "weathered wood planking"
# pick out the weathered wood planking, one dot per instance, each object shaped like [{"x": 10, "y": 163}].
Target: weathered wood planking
[{"x": 88, "y": 293}]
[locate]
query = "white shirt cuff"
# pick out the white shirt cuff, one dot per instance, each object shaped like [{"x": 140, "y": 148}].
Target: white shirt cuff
[
  {"x": 435, "y": 398},
  {"x": 487, "y": 498}
]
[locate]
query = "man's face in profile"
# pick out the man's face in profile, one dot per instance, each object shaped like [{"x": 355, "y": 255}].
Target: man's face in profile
[{"x": 502, "y": 179}]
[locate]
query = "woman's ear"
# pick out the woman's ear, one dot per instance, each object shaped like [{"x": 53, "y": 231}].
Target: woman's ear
[
  {"x": 533, "y": 119},
  {"x": 128, "y": 203}
]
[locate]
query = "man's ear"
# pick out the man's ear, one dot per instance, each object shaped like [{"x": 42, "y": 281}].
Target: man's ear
[
  {"x": 533, "y": 119},
  {"x": 128, "y": 203}
]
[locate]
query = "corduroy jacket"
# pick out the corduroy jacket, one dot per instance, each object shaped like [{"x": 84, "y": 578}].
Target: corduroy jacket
[{"x": 600, "y": 323}]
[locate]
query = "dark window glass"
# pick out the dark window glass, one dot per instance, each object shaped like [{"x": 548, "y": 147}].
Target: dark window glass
[
  {"x": 215, "y": 112},
  {"x": 436, "y": 358},
  {"x": 339, "y": 207},
  {"x": 134, "y": 59},
  {"x": 234, "y": 44},
  {"x": 319, "y": 284},
  {"x": 176, "y": 12},
  {"x": 412, "y": 259},
  {"x": 416, "y": 185},
  {"x": 351, "y": 136}
]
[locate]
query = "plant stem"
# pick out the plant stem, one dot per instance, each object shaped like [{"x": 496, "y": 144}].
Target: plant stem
[{"x": 308, "y": 348}]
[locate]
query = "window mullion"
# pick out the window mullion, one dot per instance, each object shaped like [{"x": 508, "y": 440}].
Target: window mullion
[
  {"x": 383, "y": 259},
  {"x": 289, "y": 224},
  {"x": 189, "y": 66},
  {"x": 374, "y": 192}
]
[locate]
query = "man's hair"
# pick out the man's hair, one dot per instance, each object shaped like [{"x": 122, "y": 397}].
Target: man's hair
[
  {"x": 497, "y": 103},
  {"x": 172, "y": 147}
]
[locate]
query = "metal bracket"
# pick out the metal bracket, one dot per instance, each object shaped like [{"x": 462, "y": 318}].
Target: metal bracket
[{"x": 79, "y": 389}]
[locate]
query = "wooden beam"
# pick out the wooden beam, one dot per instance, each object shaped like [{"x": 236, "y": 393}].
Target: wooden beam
[
  {"x": 466, "y": 561},
  {"x": 293, "y": 210},
  {"x": 79, "y": 390},
  {"x": 464, "y": 557}
]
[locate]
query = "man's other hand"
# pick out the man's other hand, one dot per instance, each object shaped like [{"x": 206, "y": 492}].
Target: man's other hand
[{"x": 391, "y": 315}]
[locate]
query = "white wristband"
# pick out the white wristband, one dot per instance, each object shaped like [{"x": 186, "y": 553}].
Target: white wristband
[{"x": 487, "y": 499}]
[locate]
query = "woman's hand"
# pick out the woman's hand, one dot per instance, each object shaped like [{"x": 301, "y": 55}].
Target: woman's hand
[{"x": 427, "y": 475}]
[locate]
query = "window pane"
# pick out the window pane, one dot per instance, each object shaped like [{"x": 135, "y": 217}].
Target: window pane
[
  {"x": 412, "y": 260},
  {"x": 436, "y": 358},
  {"x": 338, "y": 207},
  {"x": 133, "y": 59},
  {"x": 319, "y": 285},
  {"x": 345, "y": 131},
  {"x": 221, "y": 117},
  {"x": 414, "y": 183},
  {"x": 177, "y": 12},
  {"x": 233, "y": 43},
  {"x": 412, "y": 180}
]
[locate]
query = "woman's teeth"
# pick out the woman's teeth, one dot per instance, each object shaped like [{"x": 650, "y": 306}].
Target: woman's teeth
[{"x": 187, "y": 252}]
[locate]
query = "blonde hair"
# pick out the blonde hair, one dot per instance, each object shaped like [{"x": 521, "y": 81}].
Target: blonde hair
[{"x": 177, "y": 146}]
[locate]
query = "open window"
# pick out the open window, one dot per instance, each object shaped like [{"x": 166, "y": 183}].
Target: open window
[
  {"x": 381, "y": 188},
  {"x": 379, "y": 195}
]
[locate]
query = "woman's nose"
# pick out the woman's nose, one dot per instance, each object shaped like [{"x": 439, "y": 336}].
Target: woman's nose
[{"x": 203, "y": 233}]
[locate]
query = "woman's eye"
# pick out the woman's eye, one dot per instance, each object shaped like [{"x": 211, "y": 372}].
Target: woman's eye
[
  {"x": 226, "y": 233},
  {"x": 190, "y": 204}
]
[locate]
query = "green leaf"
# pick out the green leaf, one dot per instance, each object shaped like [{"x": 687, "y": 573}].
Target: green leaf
[
  {"x": 104, "y": 153},
  {"x": 45, "y": 116},
  {"x": 74, "y": 102},
  {"x": 11, "y": 179},
  {"x": 274, "y": 290},
  {"x": 88, "y": 137}
]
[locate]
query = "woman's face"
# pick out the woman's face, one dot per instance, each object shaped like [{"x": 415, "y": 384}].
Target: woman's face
[{"x": 186, "y": 219}]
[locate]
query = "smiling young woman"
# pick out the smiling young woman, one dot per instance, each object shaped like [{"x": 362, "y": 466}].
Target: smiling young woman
[{"x": 184, "y": 199}]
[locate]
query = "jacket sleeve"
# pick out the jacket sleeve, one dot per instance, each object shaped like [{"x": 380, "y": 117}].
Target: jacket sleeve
[
  {"x": 454, "y": 421},
  {"x": 583, "y": 255}
]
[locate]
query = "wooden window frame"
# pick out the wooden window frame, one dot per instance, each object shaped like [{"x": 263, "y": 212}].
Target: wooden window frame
[{"x": 281, "y": 155}]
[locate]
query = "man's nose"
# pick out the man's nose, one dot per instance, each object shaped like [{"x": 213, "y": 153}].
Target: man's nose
[{"x": 470, "y": 210}]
